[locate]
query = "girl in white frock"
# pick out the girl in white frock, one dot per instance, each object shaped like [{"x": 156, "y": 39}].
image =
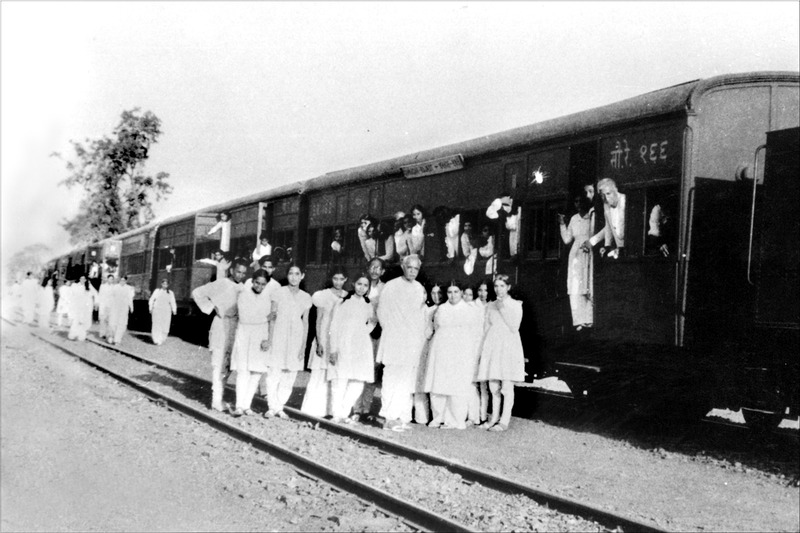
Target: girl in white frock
[
  {"x": 287, "y": 339},
  {"x": 350, "y": 358},
  {"x": 502, "y": 360},
  {"x": 316, "y": 401}
]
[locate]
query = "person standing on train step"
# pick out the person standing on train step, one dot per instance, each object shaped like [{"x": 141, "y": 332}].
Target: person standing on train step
[
  {"x": 47, "y": 302},
  {"x": 119, "y": 309},
  {"x": 401, "y": 313},
  {"x": 30, "y": 298},
  {"x": 502, "y": 361},
  {"x": 249, "y": 355},
  {"x": 162, "y": 306},
  {"x": 375, "y": 271},
  {"x": 288, "y": 333},
  {"x": 317, "y": 398},
  {"x": 103, "y": 303},
  {"x": 350, "y": 354},
  {"x": 220, "y": 297},
  {"x": 613, "y": 233},
  {"x": 223, "y": 225},
  {"x": 580, "y": 276}
]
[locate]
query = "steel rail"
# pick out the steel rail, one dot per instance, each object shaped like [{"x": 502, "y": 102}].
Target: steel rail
[
  {"x": 414, "y": 515},
  {"x": 484, "y": 477}
]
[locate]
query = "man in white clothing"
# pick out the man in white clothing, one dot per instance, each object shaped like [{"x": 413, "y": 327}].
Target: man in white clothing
[
  {"x": 29, "y": 297},
  {"x": 614, "y": 230},
  {"x": 401, "y": 313},
  {"x": 219, "y": 297},
  {"x": 104, "y": 304}
]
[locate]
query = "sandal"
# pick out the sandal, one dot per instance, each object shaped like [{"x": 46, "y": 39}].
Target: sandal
[
  {"x": 498, "y": 427},
  {"x": 269, "y": 414}
]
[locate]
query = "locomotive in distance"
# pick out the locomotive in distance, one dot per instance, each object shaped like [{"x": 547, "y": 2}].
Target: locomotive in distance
[{"x": 691, "y": 277}]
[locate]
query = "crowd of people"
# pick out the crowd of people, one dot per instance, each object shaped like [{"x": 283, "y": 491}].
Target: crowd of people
[
  {"x": 447, "y": 357},
  {"x": 76, "y": 303}
]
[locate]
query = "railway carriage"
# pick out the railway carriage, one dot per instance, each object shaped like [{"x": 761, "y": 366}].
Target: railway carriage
[{"x": 701, "y": 305}]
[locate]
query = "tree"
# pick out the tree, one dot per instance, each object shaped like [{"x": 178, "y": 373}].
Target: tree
[
  {"x": 30, "y": 259},
  {"x": 119, "y": 195}
]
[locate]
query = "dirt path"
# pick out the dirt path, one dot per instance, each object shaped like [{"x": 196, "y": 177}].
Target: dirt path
[{"x": 82, "y": 453}]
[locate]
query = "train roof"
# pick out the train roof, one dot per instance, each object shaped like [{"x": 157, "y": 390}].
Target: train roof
[{"x": 680, "y": 98}]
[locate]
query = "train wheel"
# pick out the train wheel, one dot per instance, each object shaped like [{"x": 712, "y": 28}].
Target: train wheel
[{"x": 760, "y": 420}]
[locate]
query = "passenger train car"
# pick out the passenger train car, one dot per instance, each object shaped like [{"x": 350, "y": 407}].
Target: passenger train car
[{"x": 700, "y": 307}]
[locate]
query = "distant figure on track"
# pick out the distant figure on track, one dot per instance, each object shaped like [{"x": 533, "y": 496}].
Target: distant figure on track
[
  {"x": 162, "y": 307},
  {"x": 219, "y": 297},
  {"x": 64, "y": 302},
  {"x": 47, "y": 302},
  {"x": 287, "y": 335},
  {"x": 30, "y": 297},
  {"x": 104, "y": 303},
  {"x": 84, "y": 301},
  {"x": 119, "y": 309}
]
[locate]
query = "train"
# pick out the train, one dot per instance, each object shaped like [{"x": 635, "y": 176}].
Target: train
[{"x": 705, "y": 316}]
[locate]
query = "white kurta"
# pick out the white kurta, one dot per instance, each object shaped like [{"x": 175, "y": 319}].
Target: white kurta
[
  {"x": 162, "y": 307},
  {"x": 288, "y": 342},
  {"x": 47, "y": 302},
  {"x": 350, "y": 329},
  {"x": 225, "y": 234},
  {"x": 120, "y": 306},
  {"x": 324, "y": 300},
  {"x": 451, "y": 236},
  {"x": 502, "y": 357},
  {"x": 30, "y": 299},
  {"x": 83, "y": 303},
  {"x": 64, "y": 293},
  {"x": 453, "y": 351},
  {"x": 401, "y": 313},
  {"x": 253, "y": 328},
  {"x": 220, "y": 294}
]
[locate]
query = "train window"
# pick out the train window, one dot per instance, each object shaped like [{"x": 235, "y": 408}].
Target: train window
[
  {"x": 182, "y": 254},
  {"x": 540, "y": 229},
  {"x": 205, "y": 250},
  {"x": 165, "y": 258},
  {"x": 132, "y": 264},
  {"x": 284, "y": 240},
  {"x": 312, "y": 250},
  {"x": 660, "y": 218}
]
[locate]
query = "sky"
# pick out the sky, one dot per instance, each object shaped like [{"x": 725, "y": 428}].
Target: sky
[{"x": 253, "y": 95}]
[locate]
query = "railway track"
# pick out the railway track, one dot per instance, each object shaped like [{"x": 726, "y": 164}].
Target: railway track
[{"x": 413, "y": 513}]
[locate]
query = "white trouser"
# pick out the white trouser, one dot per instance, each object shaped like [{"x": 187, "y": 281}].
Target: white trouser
[
  {"x": 317, "y": 398},
  {"x": 582, "y": 309},
  {"x": 279, "y": 387},
  {"x": 246, "y": 385},
  {"x": 344, "y": 393},
  {"x": 398, "y": 397},
  {"x": 450, "y": 410},
  {"x": 220, "y": 370}
]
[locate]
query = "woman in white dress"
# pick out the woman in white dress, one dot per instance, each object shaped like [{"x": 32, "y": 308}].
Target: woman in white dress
[
  {"x": 421, "y": 397},
  {"x": 317, "y": 398},
  {"x": 249, "y": 354},
  {"x": 502, "y": 360},
  {"x": 451, "y": 361},
  {"x": 223, "y": 225},
  {"x": 47, "y": 302},
  {"x": 350, "y": 358},
  {"x": 287, "y": 340},
  {"x": 162, "y": 307},
  {"x": 482, "y": 301},
  {"x": 417, "y": 241},
  {"x": 84, "y": 302},
  {"x": 64, "y": 305},
  {"x": 579, "y": 271}
]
